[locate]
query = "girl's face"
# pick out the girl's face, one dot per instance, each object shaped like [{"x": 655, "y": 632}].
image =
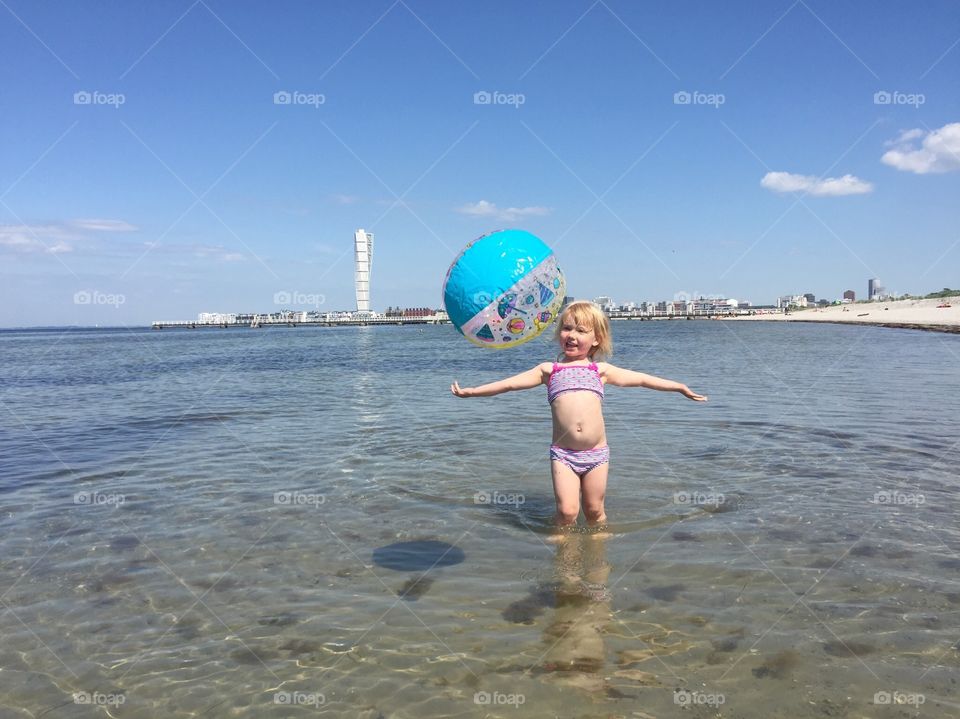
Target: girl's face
[{"x": 576, "y": 340}]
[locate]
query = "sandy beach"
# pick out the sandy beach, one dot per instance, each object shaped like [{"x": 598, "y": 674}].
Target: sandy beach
[{"x": 912, "y": 314}]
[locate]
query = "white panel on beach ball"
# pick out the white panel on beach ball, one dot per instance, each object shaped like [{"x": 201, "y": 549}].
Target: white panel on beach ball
[{"x": 504, "y": 289}]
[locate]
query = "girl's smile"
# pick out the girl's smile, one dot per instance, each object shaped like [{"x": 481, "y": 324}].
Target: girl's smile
[{"x": 577, "y": 341}]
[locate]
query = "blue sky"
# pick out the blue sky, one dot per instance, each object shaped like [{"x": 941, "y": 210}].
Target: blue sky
[{"x": 177, "y": 184}]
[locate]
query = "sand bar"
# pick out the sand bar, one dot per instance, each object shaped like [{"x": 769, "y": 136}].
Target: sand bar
[{"x": 910, "y": 314}]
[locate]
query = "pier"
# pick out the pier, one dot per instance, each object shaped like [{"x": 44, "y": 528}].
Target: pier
[{"x": 259, "y": 322}]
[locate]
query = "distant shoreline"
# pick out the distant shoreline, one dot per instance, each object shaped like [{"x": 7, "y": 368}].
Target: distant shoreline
[{"x": 919, "y": 314}]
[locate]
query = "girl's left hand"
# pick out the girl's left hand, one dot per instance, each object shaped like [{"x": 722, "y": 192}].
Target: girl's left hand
[
  {"x": 690, "y": 394},
  {"x": 460, "y": 391}
]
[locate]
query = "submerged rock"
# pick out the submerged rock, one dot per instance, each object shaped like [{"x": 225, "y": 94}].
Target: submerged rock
[
  {"x": 779, "y": 666},
  {"x": 666, "y": 593},
  {"x": 848, "y": 648},
  {"x": 414, "y": 588}
]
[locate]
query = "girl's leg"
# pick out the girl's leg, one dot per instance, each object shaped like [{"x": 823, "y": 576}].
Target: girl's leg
[
  {"x": 594, "y": 484},
  {"x": 566, "y": 490}
]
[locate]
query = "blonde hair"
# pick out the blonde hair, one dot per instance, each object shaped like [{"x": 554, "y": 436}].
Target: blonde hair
[{"x": 583, "y": 312}]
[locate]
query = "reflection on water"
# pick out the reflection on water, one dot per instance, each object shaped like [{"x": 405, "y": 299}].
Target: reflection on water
[
  {"x": 234, "y": 523},
  {"x": 575, "y": 634}
]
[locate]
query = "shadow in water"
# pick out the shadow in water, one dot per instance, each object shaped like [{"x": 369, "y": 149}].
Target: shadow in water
[{"x": 420, "y": 555}]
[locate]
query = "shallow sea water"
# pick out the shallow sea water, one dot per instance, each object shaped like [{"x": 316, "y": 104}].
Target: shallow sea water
[{"x": 789, "y": 549}]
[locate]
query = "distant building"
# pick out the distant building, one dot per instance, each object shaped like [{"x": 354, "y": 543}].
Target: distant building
[
  {"x": 218, "y": 318},
  {"x": 811, "y": 299},
  {"x": 850, "y": 295},
  {"x": 606, "y": 303},
  {"x": 363, "y": 263},
  {"x": 418, "y": 312},
  {"x": 875, "y": 291},
  {"x": 791, "y": 301},
  {"x": 412, "y": 312}
]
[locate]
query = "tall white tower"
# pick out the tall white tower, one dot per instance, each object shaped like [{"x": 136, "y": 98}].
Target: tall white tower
[{"x": 363, "y": 262}]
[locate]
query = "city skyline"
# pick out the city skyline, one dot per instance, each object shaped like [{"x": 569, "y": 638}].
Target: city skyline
[{"x": 163, "y": 160}]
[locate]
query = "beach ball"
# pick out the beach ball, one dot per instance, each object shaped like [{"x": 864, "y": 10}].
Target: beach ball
[{"x": 504, "y": 289}]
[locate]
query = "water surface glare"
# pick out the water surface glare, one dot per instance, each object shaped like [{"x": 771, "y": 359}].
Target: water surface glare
[{"x": 304, "y": 521}]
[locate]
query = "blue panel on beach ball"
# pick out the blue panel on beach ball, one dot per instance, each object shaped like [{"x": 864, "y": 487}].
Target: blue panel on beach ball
[{"x": 504, "y": 289}]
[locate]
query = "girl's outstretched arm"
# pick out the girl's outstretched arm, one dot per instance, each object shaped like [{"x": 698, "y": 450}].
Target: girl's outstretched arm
[
  {"x": 525, "y": 380},
  {"x": 620, "y": 377}
]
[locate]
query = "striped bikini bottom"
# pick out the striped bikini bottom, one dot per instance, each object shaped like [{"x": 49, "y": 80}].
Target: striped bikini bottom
[{"x": 580, "y": 461}]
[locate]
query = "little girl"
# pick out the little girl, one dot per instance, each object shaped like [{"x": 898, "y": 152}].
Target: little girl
[{"x": 579, "y": 454}]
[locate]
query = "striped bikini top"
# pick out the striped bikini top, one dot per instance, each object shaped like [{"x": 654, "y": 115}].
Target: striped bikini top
[{"x": 570, "y": 378}]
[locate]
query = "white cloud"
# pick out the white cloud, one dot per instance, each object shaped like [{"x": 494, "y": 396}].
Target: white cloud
[
  {"x": 24, "y": 239},
  {"x": 830, "y": 186},
  {"x": 939, "y": 150},
  {"x": 103, "y": 225},
  {"x": 55, "y": 237},
  {"x": 489, "y": 209},
  {"x": 215, "y": 252},
  {"x": 341, "y": 199}
]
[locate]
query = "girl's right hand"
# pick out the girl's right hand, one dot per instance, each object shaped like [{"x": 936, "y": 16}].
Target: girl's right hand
[
  {"x": 690, "y": 394},
  {"x": 460, "y": 391}
]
